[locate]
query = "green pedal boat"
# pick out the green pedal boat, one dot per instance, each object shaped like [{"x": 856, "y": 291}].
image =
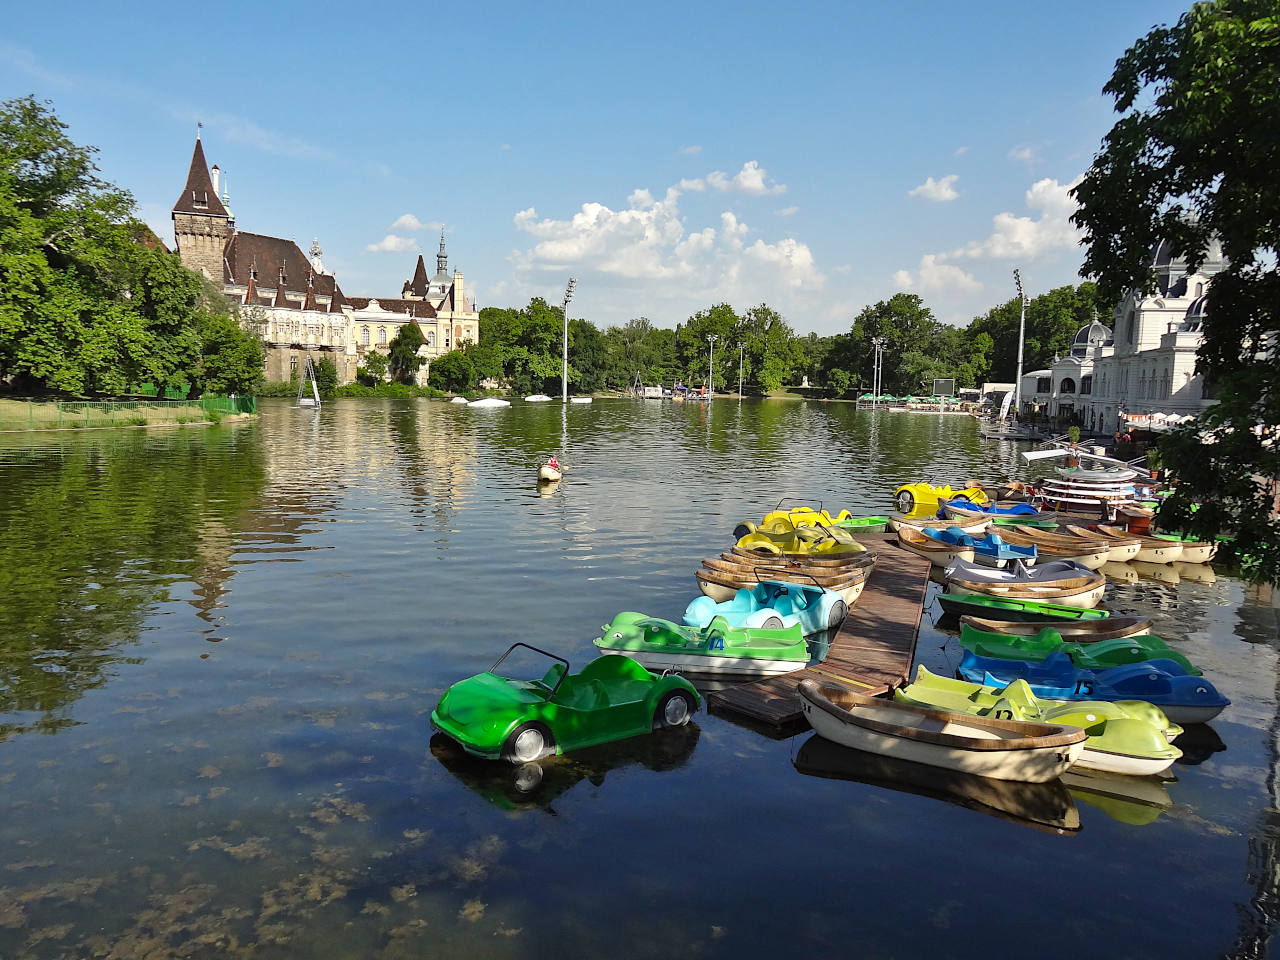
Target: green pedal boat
[
  {"x": 1126, "y": 736},
  {"x": 1008, "y": 608},
  {"x": 716, "y": 648},
  {"x": 1099, "y": 655}
]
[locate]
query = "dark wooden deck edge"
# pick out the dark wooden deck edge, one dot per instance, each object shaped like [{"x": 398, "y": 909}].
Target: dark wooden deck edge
[{"x": 871, "y": 653}]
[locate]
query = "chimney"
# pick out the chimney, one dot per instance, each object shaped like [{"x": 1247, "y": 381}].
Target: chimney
[{"x": 216, "y": 174}]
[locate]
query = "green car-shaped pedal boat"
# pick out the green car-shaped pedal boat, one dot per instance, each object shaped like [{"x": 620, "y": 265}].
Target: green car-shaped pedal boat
[{"x": 614, "y": 697}]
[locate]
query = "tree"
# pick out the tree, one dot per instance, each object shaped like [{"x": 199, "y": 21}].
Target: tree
[
  {"x": 326, "y": 377},
  {"x": 771, "y": 354},
  {"x": 693, "y": 344},
  {"x": 454, "y": 371},
  {"x": 374, "y": 370},
  {"x": 1192, "y": 161},
  {"x": 402, "y": 353}
]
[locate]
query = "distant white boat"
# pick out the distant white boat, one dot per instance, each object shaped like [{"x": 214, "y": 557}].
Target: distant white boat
[
  {"x": 537, "y": 398},
  {"x": 458, "y": 400},
  {"x": 579, "y": 399},
  {"x": 489, "y": 402}
]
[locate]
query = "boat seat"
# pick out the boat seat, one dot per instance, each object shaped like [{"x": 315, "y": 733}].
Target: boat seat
[{"x": 589, "y": 695}]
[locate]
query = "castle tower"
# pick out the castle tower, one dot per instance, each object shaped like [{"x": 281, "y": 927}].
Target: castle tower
[{"x": 201, "y": 224}]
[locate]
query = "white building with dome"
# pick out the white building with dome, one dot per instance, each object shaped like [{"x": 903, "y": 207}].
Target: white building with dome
[{"x": 1140, "y": 372}]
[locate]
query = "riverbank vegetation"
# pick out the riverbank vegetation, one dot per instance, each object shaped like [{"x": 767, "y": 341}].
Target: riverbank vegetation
[{"x": 91, "y": 302}]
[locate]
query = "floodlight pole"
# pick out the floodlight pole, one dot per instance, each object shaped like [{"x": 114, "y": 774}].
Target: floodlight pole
[
  {"x": 1022, "y": 332},
  {"x": 711, "y": 386},
  {"x": 564, "y": 376}
]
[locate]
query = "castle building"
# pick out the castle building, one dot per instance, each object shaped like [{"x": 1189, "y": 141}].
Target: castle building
[
  {"x": 295, "y": 305},
  {"x": 1142, "y": 371}
]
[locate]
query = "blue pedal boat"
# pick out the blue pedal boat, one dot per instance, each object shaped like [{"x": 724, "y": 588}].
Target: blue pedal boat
[
  {"x": 960, "y": 508},
  {"x": 1183, "y": 698},
  {"x": 990, "y": 551},
  {"x": 773, "y": 605}
]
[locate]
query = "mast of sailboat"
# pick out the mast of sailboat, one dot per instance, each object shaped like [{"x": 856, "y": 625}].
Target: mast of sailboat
[{"x": 1022, "y": 333}]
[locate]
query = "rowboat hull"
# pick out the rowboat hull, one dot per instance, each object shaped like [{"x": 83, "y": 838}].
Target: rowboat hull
[
  {"x": 1151, "y": 549},
  {"x": 999, "y": 749},
  {"x": 974, "y": 527},
  {"x": 1119, "y": 550},
  {"x": 1085, "y": 597},
  {"x": 935, "y": 551},
  {"x": 723, "y": 581},
  {"x": 1084, "y": 631}
]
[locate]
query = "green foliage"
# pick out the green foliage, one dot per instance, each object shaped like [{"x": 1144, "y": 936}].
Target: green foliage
[
  {"x": 89, "y": 303},
  {"x": 454, "y": 371},
  {"x": 374, "y": 370},
  {"x": 402, "y": 354},
  {"x": 1193, "y": 159},
  {"x": 277, "y": 388},
  {"x": 1073, "y": 434},
  {"x": 388, "y": 391},
  {"x": 326, "y": 378}
]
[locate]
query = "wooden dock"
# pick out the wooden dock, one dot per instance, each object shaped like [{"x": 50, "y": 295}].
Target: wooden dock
[{"x": 871, "y": 653}]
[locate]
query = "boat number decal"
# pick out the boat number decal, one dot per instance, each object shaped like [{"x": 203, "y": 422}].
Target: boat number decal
[
  {"x": 1004, "y": 714},
  {"x": 715, "y": 643},
  {"x": 1084, "y": 687}
]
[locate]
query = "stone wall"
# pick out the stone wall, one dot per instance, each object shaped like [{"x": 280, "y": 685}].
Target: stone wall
[{"x": 201, "y": 241}]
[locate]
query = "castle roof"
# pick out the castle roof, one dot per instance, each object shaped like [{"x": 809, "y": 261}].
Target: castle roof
[
  {"x": 198, "y": 196},
  {"x": 418, "y": 285},
  {"x": 270, "y": 254},
  {"x": 418, "y": 309}
]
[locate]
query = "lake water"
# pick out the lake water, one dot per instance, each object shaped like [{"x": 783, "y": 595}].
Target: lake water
[{"x": 219, "y": 649}]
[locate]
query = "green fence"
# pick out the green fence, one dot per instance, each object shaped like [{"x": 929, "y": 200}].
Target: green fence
[{"x": 82, "y": 414}]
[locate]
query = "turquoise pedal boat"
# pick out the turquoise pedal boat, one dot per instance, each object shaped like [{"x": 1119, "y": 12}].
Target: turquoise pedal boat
[
  {"x": 1007, "y": 608},
  {"x": 1098, "y": 655},
  {"x": 1127, "y": 737},
  {"x": 717, "y": 648}
]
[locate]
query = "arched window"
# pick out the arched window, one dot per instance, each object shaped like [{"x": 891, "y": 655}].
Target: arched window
[
  {"x": 431, "y": 339},
  {"x": 1067, "y": 386},
  {"x": 1199, "y": 289},
  {"x": 1128, "y": 327},
  {"x": 364, "y": 335},
  {"x": 382, "y": 336}
]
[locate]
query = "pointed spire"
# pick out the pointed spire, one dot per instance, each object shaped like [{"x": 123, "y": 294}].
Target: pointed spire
[
  {"x": 442, "y": 258},
  {"x": 336, "y": 301},
  {"x": 251, "y": 291},
  {"x": 199, "y": 196},
  {"x": 310, "y": 302},
  {"x": 418, "y": 285},
  {"x": 281, "y": 300}
]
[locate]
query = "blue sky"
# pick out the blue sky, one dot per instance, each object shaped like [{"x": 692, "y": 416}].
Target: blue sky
[{"x": 816, "y": 157}]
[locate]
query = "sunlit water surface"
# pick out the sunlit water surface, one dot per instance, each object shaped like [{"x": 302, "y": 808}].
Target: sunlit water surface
[{"x": 220, "y": 647}]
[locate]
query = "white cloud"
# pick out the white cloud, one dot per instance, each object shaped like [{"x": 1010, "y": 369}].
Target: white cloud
[
  {"x": 961, "y": 151},
  {"x": 505, "y": 146},
  {"x": 407, "y": 221},
  {"x": 790, "y": 260},
  {"x": 786, "y": 211},
  {"x": 938, "y": 191},
  {"x": 935, "y": 275},
  {"x": 691, "y": 186},
  {"x": 1025, "y": 154},
  {"x": 751, "y": 180},
  {"x": 393, "y": 244},
  {"x": 1014, "y": 237},
  {"x": 692, "y": 150},
  {"x": 732, "y": 230}
]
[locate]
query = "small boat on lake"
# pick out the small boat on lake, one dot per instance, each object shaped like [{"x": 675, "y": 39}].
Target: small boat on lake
[
  {"x": 773, "y": 604},
  {"x": 1053, "y": 546},
  {"x": 720, "y": 578},
  {"x": 1152, "y": 549},
  {"x": 962, "y": 509},
  {"x": 897, "y": 521},
  {"x": 984, "y": 746},
  {"x": 1120, "y": 549},
  {"x": 939, "y": 547},
  {"x": 489, "y": 402},
  {"x": 1011, "y": 608},
  {"x": 1062, "y": 582},
  {"x": 1130, "y": 737},
  {"x": 717, "y": 648},
  {"x": 1097, "y": 655},
  {"x": 1081, "y": 631},
  {"x": 1184, "y": 699},
  {"x": 1193, "y": 551}
]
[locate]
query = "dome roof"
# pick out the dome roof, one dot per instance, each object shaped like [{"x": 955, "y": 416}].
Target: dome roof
[
  {"x": 1095, "y": 334},
  {"x": 1196, "y": 313}
]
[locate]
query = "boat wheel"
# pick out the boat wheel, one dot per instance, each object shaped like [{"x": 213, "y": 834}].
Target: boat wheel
[
  {"x": 906, "y": 502},
  {"x": 839, "y": 610},
  {"x": 527, "y": 743},
  {"x": 674, "y": 710}
]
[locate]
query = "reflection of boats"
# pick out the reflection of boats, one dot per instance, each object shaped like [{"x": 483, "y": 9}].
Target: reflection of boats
[
  {"x": 1195, "y": 572},
  {"x": 1164, "y": 572},
  {"x": 1046, "y": 806},
  {"x": 1198, "y": 743},
  {"x": 1132, "y": 800},
  {"x": 1119, "y": 572},
  {"x": 540, "y": 783},
  {"x": 1028, "y": 752}
]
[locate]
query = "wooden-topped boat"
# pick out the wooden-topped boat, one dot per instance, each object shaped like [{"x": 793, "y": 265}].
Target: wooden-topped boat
[
  {"x": 1123, "y": 549},
  {"x": 721, "y": 579},
  {"x": 1193, "y": 551},
  {"x": 1047, "y": 582},
  {"x": 973, "y": 527},
  {"x": 1056, "y": 546},
  {"x": 829, "y": 562},
  {"x": 1152, "y": 549},
  {"x": 1080, "y": 631},
  {"x": 1029, "y": 752},
  {"x": 938, "y": 552}
]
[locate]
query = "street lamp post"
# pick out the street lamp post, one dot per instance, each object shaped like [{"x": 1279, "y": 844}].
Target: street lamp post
[
  {"x": 1022, "y": 330},
  {"x": 741, "y": 347},
  {"x": 564, "y": 376},
  {"x": 711, "y": 366},
  {"x": 877, "y": 365}
]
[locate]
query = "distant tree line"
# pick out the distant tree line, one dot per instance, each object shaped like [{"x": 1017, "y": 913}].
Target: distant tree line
[{"x": 521, "y": 348}]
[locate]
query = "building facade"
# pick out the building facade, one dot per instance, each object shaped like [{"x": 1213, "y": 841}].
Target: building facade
[
  {"x": 295, "y": 305},
  {"x": 1141, "y": 370}
]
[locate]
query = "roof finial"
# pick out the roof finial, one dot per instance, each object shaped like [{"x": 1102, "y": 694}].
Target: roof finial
[{"x": 199, "y": 127}]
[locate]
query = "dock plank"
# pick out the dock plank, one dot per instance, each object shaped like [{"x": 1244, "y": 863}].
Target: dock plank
[{"x": 871, "y": 653}]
